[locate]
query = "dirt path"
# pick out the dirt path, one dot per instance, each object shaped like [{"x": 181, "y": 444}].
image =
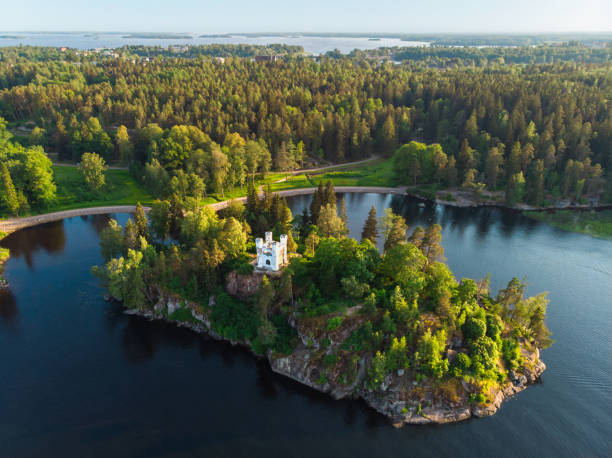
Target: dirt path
[{"x": 13, "y": 224}]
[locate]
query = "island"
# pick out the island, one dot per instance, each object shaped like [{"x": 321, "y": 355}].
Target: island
[
  {"x": 159, "y": 36},
  {"x": 392, "y": 327}
]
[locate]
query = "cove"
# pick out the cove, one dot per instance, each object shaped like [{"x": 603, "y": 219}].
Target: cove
[{"x": 80, "y": 378}]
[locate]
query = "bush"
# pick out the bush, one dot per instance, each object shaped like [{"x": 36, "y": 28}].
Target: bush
[
  {"x": 330, "y": 360},
  {"x": 511, "y": 352},
  {"x": 234, "y": 319},
  {"x": 361, "y": 339},
  {"x": 474, "y": 328},
  {"x": 245, "y": 269},
  {"x": 286, "y": 336},
  {"x": 461, "y": 364},
  {"x": 334, "y": 323},
  {"x": 182, "y": 314}
]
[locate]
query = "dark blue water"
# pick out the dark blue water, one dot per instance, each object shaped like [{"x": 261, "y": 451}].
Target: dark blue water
[{"x": 78, "y": 378}]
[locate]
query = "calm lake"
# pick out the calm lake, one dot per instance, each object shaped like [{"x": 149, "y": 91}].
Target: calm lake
[
  {"x": 79, "y": 378},
  {"x": 314, "y": 45}
]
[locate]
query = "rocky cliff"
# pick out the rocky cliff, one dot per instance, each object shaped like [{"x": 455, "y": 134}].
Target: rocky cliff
[{"x": 401, "y": 397}]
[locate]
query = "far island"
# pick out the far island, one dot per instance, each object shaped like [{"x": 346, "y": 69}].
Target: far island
[{"x": 394, "y": 328}]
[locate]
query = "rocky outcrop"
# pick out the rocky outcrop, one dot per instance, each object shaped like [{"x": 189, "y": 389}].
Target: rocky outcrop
[
  {"x": 400, "y": 398},
  {"x": 243, "y": 286}
]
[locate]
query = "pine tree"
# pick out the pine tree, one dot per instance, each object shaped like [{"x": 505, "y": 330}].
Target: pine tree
[
  {"x": 370, "y": 228},
  {"x": 330, "y": 194},
  {"x": 140, "y": 219},
  {"x": 329, "y": 223},
  {"x": 130, "y": 235},
  {"x": 317, "y": 202},
  {"x": 9, "y": 195},
  {"x": 265, "y": 296},
  {"x": 252, "y": 200},
  {"x": 417, "y": 237},
  {"x": 305, "y": 218},
  {"x": 432, "y": 243},
  {"x": 291, "y": 245},
  {"x": 343, "y": 216},
  {"x": 285, "y": 289},
  {"x": 395, "y": 229}
]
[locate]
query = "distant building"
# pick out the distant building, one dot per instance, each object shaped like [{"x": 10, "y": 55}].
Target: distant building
[
  {"x": 267, "y": 58},
  {"x": 271, "y": 255}
]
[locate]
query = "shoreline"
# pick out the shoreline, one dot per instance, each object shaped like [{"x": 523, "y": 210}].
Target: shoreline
[
  {"x": 464, "y": 200},
  {"x": 390, "y": 400},
  {"x": 13, "y": 224}
]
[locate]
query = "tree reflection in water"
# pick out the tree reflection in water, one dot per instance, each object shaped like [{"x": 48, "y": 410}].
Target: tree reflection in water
[
  {"x": 50, "y": 237},
  {"x": 8, "y": 306}
]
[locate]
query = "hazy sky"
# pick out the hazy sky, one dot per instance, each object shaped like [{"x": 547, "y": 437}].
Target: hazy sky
[{"x": 213, "y": 16}]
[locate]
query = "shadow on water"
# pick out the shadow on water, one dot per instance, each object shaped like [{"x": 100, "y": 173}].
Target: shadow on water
[{"x": 49, "y": 237}]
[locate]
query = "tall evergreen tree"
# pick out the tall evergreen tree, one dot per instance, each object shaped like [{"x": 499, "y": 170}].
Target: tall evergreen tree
[
  {"x": 330, "y": 194},
  {"x": 417, "y": 237},
  {"x": 432, "y": 243},
  {"x": 317, "y": 202},
  {"x": 370, "y": 228},
  {"x": 343, "y": 216},
  {"x": 140, "y": 219},
  {"x": 395, "y": 229},
  {"x": 252, "y": 199}
]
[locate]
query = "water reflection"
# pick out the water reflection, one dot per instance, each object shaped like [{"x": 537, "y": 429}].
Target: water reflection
[
  {"x": 8, "y": 306},
  {"x": 49, "y": 237},
  {"x": 98, "y": 222}
]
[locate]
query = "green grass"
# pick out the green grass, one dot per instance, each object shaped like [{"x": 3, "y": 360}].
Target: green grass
[
  {"x": 375, "y": 173},
  {"x": 120, "y": 189},
  {"x": 593, "y": 223}
]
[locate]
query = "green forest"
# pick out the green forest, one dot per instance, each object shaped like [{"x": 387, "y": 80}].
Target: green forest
[{"x": 532, "y": 124}]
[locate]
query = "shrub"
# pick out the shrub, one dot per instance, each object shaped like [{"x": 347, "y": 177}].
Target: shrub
[
  {"x": 511, "y": 353},
  {"x": 474, "y": 328},
  {"x": 330, "y": 360},
  {"x": 245, "y": 269},
  {"x": 360, "y": 339},
  {"x": 334, "y": 323},
  {"x": 377, "y": 372},
  {"x": 286, "y": 336},
  {"x": 234, "y": 319},
  {"x": 461, "y": 364},
  {"x": 182, "y": 314}
]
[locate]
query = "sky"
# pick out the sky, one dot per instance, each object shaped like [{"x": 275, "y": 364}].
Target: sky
[{"x": 384, "y": 16}]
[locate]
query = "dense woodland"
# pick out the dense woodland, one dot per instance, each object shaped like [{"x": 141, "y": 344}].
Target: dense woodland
[
  {"x": 540, "y": 132},
  {"x": 409, "y": 305}
]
